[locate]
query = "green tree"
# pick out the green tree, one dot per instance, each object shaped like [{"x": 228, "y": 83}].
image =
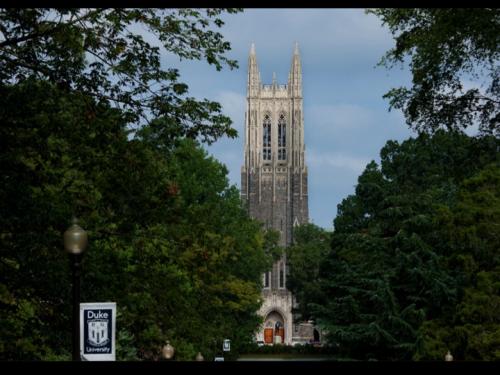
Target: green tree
[
  {"x": 169, "y": 239},
  {"x": 56, "y": 149},
  {"x": 469, "y": 227},
  {"x": 446, "y": 48},
  {"x": 392, "y": 278},
  {"x": 221, "y": 248},
  {"x": 104, "y": 54},
  {"x": 304, "y": 257}
]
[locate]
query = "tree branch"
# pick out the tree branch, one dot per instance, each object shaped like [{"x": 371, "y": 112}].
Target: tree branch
[{"x": 37, "y": 34}]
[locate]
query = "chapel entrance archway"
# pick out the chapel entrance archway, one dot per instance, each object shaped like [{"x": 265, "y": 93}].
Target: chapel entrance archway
[{"x": 274, "y": 328}]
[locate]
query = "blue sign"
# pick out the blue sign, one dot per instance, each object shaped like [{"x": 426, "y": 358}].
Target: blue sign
[{"x": 97, "y": 331}]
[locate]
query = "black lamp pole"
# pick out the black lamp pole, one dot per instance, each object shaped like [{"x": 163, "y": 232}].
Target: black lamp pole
[
  {"x": 76, "y": 268},
  {"x": 75, "y": 242}
]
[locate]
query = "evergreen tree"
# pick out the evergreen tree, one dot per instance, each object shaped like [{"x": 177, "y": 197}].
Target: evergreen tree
[{"x": 392, "y": 278}]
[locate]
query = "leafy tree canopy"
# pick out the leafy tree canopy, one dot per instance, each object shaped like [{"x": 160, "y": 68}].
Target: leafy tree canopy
[
  {"x": 169, "y": 240},
  {"x": 446, "y": 48},
  {"x": 114, "y": 54},
  {"x": 304, "y": 257},
  {"x": 414, "y": 255}
]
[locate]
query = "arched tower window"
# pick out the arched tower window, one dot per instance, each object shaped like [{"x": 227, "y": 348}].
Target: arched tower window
[
  {"x": 282, "y": 138},
  {"x": 281, "y": 276},
  {"x": 267, "y": 279},
  {"x": 266, "y": 138}
]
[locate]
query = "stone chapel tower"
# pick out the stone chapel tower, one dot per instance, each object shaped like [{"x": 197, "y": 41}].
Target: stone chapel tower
[{"x": 274, "y": 184}]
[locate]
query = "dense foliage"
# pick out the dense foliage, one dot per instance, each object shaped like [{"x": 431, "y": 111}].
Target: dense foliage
[
  {"x": 169, "y": 240},
  {"x": 115, "y": 54},
  {"x": 310, "y": 246},
  {"x": 413, "y": 269},
  {"x": 453, "y": 55},
  {"x": 414, "y": 260}
]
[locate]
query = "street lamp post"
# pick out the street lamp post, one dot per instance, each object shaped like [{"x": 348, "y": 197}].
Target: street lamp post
[{"x": 75, "y": 242}]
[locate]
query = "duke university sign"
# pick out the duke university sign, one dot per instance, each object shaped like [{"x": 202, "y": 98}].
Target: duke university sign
[{"x": 97, "y": 331}]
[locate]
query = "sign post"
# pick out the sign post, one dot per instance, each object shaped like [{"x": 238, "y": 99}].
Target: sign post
[
  {"x": 227, "y": 345},
  {"x": 98, "y": 331}
]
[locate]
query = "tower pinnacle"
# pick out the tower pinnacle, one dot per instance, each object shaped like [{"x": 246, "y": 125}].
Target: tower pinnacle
[
  {"x": 253, "y": 72},
  {"x": 295, "y": 77}
]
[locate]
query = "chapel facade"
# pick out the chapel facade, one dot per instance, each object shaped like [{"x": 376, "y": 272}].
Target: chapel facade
[{"x": 274, "y": 186}]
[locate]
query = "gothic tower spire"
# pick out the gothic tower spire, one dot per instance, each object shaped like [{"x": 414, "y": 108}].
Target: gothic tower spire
[
  {"x": 253, "y": 85},
  {"x": 295, "y": 76}
]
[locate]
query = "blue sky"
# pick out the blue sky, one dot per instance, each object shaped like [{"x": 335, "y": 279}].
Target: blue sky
[{"x": 345, "y": 117}]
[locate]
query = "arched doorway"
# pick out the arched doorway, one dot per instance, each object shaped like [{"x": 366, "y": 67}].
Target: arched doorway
[{"x": 274, "y": 328}]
